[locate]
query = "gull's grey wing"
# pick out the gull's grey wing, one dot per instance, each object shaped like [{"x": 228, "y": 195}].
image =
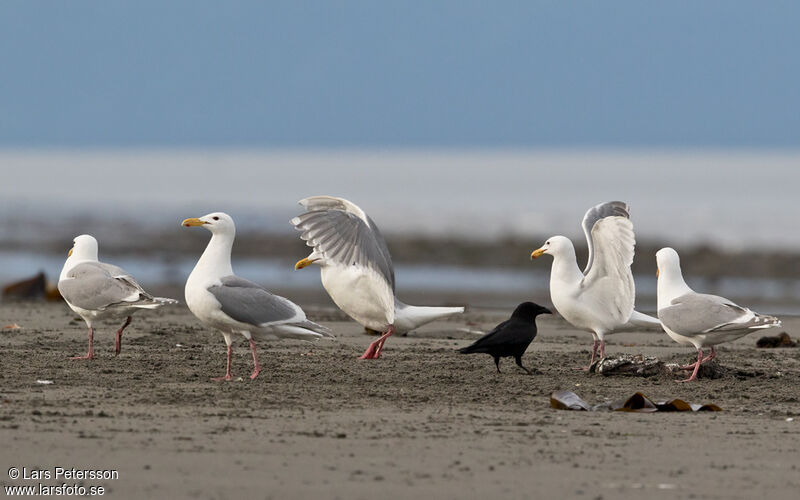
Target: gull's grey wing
[
  {"x": 250, "y": 303},
  {"x": 596, "y": 213},
  {"x": 121, "y": 274},
  {"x": 695, "y": 313},
  {"x": 112, "y": 269},
  {"x": 342, "y": 233},
  {"x": 91, "y": 286}
]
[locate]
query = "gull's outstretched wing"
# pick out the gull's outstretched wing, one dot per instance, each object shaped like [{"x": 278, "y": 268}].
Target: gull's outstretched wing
[
  {"x": 341, "y": 233},
  {"x": 596, "y": 213},
  {"x": 609, "y": 277}
]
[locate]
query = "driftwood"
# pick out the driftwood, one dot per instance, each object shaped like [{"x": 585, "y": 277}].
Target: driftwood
[
  {"x": 36, "y": 287},
  {"x": 782, "y": 340},
  {"x": 567, "y": 400}
]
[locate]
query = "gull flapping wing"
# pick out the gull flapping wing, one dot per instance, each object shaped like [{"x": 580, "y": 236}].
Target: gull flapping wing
[
  {"x": 610, "y": 269},
  {"x": 595, "y": 214},
  {"x": 342, "y": 234}
]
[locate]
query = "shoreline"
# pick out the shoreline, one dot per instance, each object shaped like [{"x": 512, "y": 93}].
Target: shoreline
[
  {"x": 429, "y": 270},
  {"x": 701, "y": 260}
]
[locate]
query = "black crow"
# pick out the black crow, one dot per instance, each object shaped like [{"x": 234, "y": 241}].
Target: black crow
[{"x": 511, "y": 337}]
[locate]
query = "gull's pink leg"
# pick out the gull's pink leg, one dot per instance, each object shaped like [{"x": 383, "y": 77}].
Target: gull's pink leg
[
  {"x": 375, "y": 348},
  {"x": 370, "y": 351},
  {"x": 711, "y": 356},
  {"x": 602, "y": 350},
  {"x": 704, "y": 360},
  {"x": 90, "y": 354},
  {"x": 696, "y": 367},
  {"x": 256, "y": 366},
  {"x": 383, "y": 341},
  {"x": 228, "y": 375},
  {"x": 118, "y": 343},
  {"x": 591, "y": 361},
  {"x": 379, "y": 349}
]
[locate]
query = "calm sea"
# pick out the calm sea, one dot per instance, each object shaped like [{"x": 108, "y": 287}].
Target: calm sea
[{"x": 729, "y": 199}]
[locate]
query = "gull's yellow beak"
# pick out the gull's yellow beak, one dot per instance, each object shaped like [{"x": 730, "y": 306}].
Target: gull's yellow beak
[
  {"x": 303, "y": 263},
  {"x": 656, "y": 273},
  {"x": 193, "y": 222},
  {"x": 69, "y": 254},
  {"x": 537, "y": 253}
]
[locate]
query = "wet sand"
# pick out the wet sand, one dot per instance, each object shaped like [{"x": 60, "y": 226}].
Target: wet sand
[{"x": 423, "y": 421}]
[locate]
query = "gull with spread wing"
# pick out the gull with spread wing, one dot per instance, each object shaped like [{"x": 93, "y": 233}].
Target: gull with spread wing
[
  {"x": 356, "y": 269},
  {"x": 599, "y": 299}
]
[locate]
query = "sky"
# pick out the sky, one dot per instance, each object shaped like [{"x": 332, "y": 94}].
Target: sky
[{"x": 367, "y": 74}]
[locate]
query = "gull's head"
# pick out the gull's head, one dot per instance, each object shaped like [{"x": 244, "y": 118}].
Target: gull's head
[
  {"x": 84, "y": 247},
  {"x": 667, "y": 261},
  {"x": 217, "y": 223},
  {"x": 555, "y": 245}
]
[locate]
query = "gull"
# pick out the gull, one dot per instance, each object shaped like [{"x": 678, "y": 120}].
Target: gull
[
  {"x": 356, "y": 269},
  {"x": 231, "y": 304},
  {"x": 699, "y": 319},
  {"x": 600, "y": 298},
  {"x": 97, "y": 291}
]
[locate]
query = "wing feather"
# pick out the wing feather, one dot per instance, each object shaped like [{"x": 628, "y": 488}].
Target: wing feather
[
  {"x": 341, "y": 233},
  {"x": 596, "y": 213},
  {"x": 96, "y": 286},
  {"x": 695, "y": 314},
  {"x": 250, "y": 303},
  {"x": 610, "y": 274}
]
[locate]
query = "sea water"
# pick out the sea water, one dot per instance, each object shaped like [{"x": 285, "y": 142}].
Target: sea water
[{"x": 728, "y": 199}]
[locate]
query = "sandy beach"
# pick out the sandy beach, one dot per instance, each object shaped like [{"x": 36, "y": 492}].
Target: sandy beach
[{"x": 423, "y": 421}]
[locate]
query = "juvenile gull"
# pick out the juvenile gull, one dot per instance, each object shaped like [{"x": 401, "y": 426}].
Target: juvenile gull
[
  {"x": 231, "y": 304},
  {"x": 599, "y": 299},
  {"x": 97, "y": 291},
  {"x": 356, "y": 269},
  {"x": 698, "y": 319},
  {"x": 511, "y": 337}
]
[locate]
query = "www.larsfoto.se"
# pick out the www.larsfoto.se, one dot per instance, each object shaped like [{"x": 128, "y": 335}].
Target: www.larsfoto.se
[{"x": 54, "y": 490}]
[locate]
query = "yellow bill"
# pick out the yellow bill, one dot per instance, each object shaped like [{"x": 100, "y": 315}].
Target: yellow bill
[
  {"x": 537, "y": 253},
  {"x": 194, "y": 221},
  {"x": 303, "y": 263}
]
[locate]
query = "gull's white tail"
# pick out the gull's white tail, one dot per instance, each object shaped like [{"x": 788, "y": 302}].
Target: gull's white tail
[
  {"x": 408, "y": 317},
  {"x": 641, "y": 320}
]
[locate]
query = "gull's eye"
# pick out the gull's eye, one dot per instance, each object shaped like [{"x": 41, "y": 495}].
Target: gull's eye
[{"x": 215, "y": 218}]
